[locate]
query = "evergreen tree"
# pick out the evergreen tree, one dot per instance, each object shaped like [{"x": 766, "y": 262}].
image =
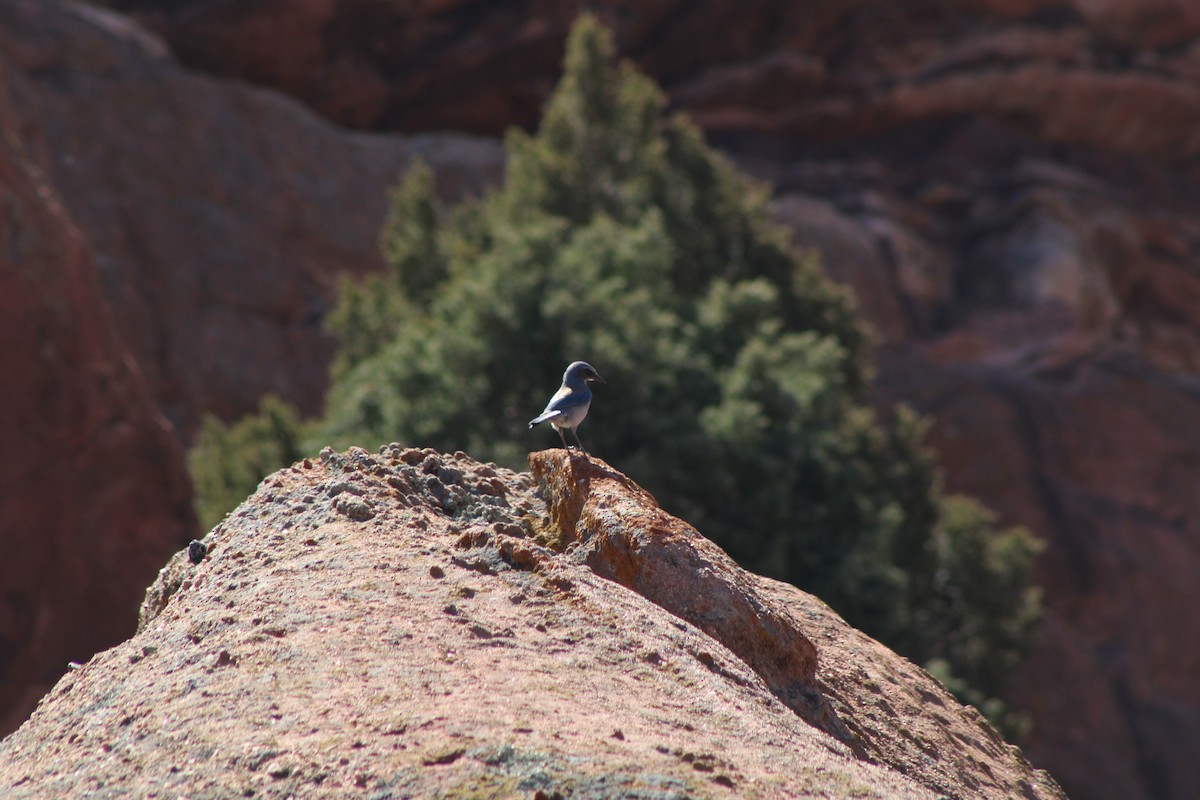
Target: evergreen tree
[
  {"x": 735, "y": 369},
  {"x": 228, "y": 461}
]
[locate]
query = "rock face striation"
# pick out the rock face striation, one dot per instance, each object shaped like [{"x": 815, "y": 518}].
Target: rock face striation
[
  {"x": 411, "y": 624},
  {"x": 1066, "y": 71},
  {"x": 220, "y": 216}
]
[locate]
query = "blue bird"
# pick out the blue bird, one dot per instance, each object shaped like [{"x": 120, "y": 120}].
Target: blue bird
[{"x": 570, "y": 403}]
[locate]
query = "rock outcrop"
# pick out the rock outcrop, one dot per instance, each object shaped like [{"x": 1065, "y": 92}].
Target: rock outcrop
[{"x": 416, "y": 624}]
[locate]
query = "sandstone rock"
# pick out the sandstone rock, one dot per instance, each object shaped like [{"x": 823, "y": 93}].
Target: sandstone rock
[
  {"x": 625, "y": 537},
  {"x": 823, "y": 72},
  {"x": 220, "y": 215},
  {"x": 94, "y": 491},
  {"x": 1101, "y": 451},
  {"x": 446, "y": 646}
]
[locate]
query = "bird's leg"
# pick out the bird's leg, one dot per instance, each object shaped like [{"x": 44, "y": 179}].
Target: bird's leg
[
  {"x": 575, "y": 431},
  {"x": 564, "y": 439}
]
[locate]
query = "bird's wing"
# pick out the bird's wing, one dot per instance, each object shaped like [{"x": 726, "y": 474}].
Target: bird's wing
[{"x": 563, "y": 401}]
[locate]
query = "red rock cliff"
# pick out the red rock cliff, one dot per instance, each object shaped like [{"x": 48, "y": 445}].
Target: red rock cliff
[{"x": 94, "y": 491}]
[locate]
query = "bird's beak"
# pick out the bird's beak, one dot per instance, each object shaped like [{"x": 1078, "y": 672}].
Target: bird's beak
[{"x": 596, "y": 377}]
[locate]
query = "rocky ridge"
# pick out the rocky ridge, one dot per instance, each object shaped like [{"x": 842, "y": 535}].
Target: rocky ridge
[{"x": 419, "y": 624}]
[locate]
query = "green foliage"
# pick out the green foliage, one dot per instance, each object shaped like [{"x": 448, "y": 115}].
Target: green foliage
[
  {"x": 409, "y": 238},
  {"x": 981, "y": 610},
  {"x": 735, "y": 370},
  {"x": 227, "y": 462},
  {"x": 365, "y": 319}
]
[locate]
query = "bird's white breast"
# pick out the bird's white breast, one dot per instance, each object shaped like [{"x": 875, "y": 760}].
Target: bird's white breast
[{"x": 571, "y": 417}]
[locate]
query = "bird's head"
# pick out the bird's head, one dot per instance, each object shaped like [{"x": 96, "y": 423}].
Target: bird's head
[{"x": 581, "y": 372}]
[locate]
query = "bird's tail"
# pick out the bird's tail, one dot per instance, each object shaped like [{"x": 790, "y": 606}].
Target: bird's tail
[{"x": 543, "y": 417}]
